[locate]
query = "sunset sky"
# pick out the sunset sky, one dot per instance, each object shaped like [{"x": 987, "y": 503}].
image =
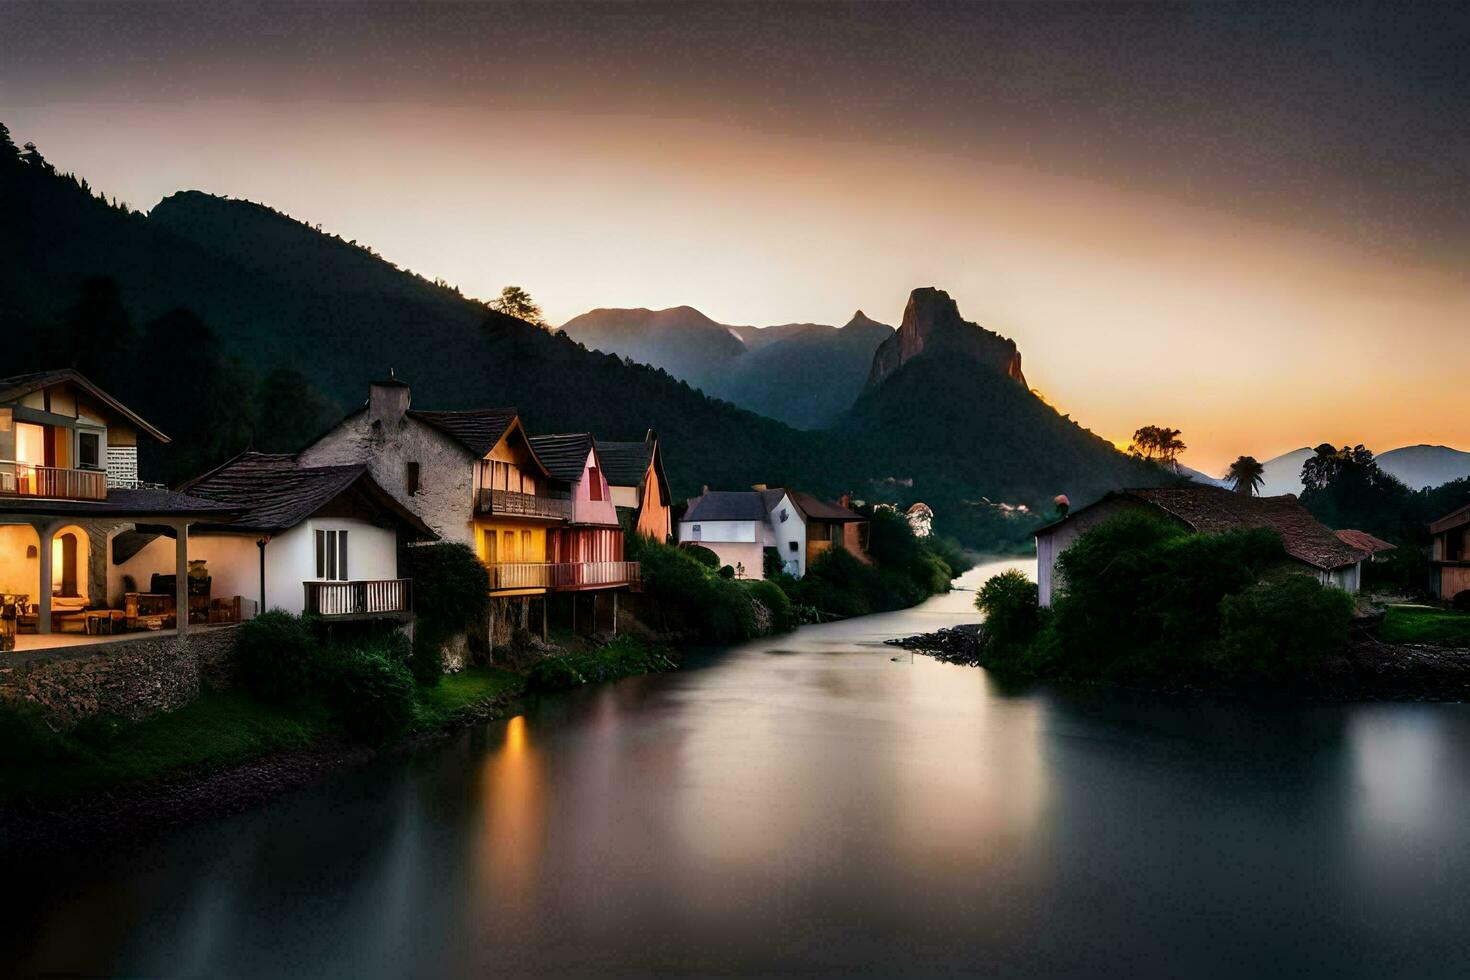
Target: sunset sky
[{"x": 1248, "y": 222}]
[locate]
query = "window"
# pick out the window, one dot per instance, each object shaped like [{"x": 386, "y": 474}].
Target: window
[
  {"x": 525, "y": 546},
  {"x": 784, "y": 515},
  {"x": 594, "y": 476},
  {"x": 792, "y": 545},
  {"x": 696, "y": 532},
  {"x": 411, "y": 477},
  {"x": 331, "y": 555},
  {"x": 89, "y": 450}
]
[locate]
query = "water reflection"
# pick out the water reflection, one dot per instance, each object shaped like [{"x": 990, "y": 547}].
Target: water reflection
[{"x": 823, "y": 808}]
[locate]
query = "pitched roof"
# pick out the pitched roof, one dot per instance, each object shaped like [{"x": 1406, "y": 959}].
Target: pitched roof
[
  {"x": 477, "y": 430},
  {"x": 19, "y": 385},
  {"x": 823, "y": 511},
  {"x": 728, "y": 505},
  {"x": 625, "y": 463},
  {"x": 1453, "y": 519},
  {"x": 272, "y": 492},
  {"x": 1364, "y": 541},
  {"x": 564, "y": 454},
  {"x": 1213, "y": 510}
]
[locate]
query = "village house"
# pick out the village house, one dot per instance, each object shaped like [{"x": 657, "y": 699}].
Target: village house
[
  {"x": 69, "y": 488},
  {"x": 921, "y": 520},
  {"x": 474, "y": 478},
  {"x": 640, "y": 488},
  {"x": 318, "y": 540},
  {"x": 740, "y": 525},
  {"x": 1309, "y": 544},
  {"x": 591, "y": 542},
  {"x": 1450, "y": 553}
]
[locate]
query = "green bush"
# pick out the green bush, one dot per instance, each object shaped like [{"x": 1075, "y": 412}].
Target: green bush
[
  {"x": 770, "y": 562},
  {"x": 451, "y": 594},
  {"x": 372, "y": 695},
  {"x": 1277, "y": 626},
  {"x": 702, "y": 555},
  {"x": 1141, "y": 593},
  {"x": 1012, "y": 613},
  {"x": 279, "y": 657},
  {"x": 1461, "y": 601},
  {"x": 770, "y": 595},
  {"x": 623, "y": 657},
  {"x": 692, "y": 593},
  {"x": 727, "y": 571}
]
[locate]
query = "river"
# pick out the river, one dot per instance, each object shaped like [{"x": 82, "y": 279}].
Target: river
[{"x": 818, "y": 802}]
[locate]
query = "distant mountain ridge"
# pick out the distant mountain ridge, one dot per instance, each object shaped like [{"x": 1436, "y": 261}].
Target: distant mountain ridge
[
  {"x": 932, "y": 323},
  {"x": 1419, "y": 467},
  {"x": 804, "y": 374}
]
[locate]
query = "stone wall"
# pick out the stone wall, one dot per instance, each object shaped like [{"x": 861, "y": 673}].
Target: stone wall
[{"x": 131, "y": 678}]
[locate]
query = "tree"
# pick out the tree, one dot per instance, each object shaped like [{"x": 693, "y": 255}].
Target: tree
[
  {"x": 1158, "y": 444},
  {"x": 32, "y": 156},
  {"x": 98, "y": 332},
  {"x": 290, "y": 412},
  {"x": 1247, "y": 475},
  {"x": 8, "y": 152},
  {"x": 515, "y": 301}
]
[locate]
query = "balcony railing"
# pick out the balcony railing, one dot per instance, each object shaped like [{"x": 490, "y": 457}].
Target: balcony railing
[
  {"x": 565, "y": 575},
  {"x": 510, "y": 503},
  {"x": 377, "y": 597},
  {"x": 29, "y": 480}
]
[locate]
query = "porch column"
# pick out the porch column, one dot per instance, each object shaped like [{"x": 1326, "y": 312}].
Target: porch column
[
  {"x": 181, "y": 576},
  {"x": 45, "y": 533}
]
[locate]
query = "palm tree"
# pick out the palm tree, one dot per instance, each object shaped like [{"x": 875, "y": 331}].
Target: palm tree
[{"x": 1247, "y": 475}]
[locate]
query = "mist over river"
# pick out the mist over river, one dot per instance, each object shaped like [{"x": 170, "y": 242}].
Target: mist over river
[{"x": 817, "y": 802}]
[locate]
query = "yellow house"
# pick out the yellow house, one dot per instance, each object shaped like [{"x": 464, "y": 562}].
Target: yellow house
[{"x": 516, "y": 500}]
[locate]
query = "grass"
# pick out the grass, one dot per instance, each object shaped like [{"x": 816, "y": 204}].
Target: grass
[
  {"x": 216, "y": 731},
  {"x": 213, "y": 732},
  {"x": 440, "y": 704},
  {"x": 1422, "y": 624}
]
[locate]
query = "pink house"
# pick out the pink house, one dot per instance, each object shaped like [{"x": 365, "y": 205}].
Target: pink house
[{"x": 593, "y": 534}]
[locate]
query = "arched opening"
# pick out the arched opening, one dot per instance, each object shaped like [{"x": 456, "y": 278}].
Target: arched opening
[{"x": 70, "y": 550}]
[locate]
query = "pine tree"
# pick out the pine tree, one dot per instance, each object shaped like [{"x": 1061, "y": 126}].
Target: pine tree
[{"x": 8, "y": 152}]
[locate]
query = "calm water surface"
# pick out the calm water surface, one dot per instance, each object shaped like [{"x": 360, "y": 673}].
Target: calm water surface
[{"x": 808, "y": 804}]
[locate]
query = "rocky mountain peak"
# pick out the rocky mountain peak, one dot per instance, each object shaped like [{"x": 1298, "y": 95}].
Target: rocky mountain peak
[{"x": 932, "y": 321}]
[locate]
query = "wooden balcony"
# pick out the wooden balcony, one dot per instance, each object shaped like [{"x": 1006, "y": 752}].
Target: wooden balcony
[
  {"x": 568, "y": 576},
  {"x": 55, "y": 482},
  {"x": 373, "y": 599},
  {"x": 509, "y": 503}
]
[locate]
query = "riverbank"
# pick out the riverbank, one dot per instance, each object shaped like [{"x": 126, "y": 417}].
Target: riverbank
[
  {"x": 1368, "y": 669},
  {"x": 220, "y": 755}
]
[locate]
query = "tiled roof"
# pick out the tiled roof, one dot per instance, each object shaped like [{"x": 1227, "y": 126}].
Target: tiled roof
[
  {"x": 564, "y": 455},
  {"x": 1214, "y": 509},
  {"x": 821, "y": 510},
  {"x": 477, "y": 430},
  {"x": 727, "y": 505},
  {"x": 1364, "y": 541},
  {"x": 272, "y": 492},
  {"x": 19, "y": 385},
  {"x": 625, "y": 463}
]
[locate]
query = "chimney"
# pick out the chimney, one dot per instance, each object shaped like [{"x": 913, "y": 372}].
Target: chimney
[
  {"x": 845, "y": 501},
  {"x": 388, "y": 401}
]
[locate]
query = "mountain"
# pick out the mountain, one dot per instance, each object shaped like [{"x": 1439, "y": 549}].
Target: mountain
[
  {"x": 681, "y": 340},
  {"x": 804, "y": 374},
  {"x": 954, "y": 423},
  {"x": 1425, "y": 466},
  {"x": 1196, "y": 476},
  {"x": 191, "y": 313},
  {"x": 1283, "y": 474},
  {"x": 932, "y": 324},
  {"x": 276, "y": 291}
]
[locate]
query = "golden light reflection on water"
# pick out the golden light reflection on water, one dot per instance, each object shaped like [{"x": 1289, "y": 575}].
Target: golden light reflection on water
[{"x": 514, "y": 797}]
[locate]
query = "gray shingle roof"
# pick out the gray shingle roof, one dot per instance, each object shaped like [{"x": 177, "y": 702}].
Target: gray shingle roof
[
  {"x": 625, "y": 463},
  {"x": 121, "y": 504},
  {"x": 271, "y": 492},
  {"x": 728, "y": 505},
  {"x": 823, "y": 511},
  {"x": 564, "y": 454},
  {"x": 477, "y": 430}
]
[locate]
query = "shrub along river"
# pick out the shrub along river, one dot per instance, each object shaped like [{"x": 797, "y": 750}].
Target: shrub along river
[{"x": 810, "y": 803}]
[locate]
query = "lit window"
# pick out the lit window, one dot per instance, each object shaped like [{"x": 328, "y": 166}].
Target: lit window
[{"x": 331, "y": 555}]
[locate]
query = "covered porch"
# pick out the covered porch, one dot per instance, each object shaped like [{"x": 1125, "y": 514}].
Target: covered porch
[{"x": 55, "y": 574}]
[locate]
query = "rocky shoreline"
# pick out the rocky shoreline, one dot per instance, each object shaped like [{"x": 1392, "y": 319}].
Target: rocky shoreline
[
  {"x": 1367, "y": 670},
  {"x": 152, "y": 810}
]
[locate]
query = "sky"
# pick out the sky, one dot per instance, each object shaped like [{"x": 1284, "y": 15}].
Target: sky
[{"x": 1249, "y": 222}]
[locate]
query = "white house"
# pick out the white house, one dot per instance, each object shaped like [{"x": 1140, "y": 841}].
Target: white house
[
  {"x": 307, "y": 539},
  {"x": 738, "y": 525}
]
